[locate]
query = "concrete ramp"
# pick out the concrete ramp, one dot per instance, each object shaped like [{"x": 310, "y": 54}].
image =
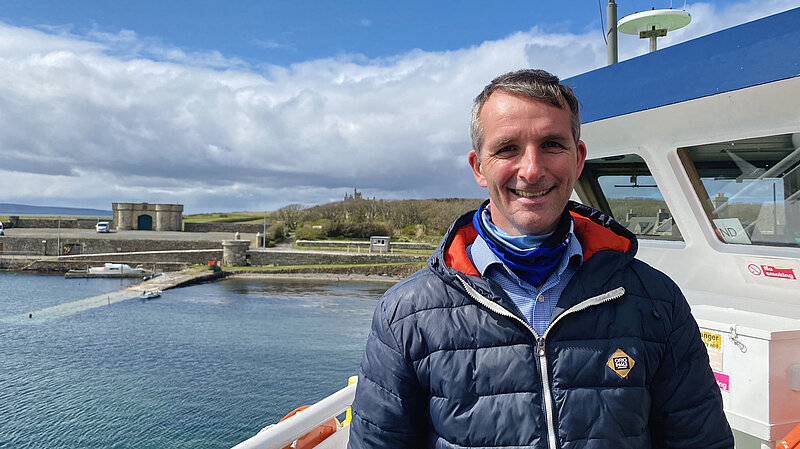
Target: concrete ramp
[{"x": 164, "y": 282}]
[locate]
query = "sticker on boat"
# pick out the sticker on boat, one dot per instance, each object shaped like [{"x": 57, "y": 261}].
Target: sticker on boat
[
  {"x": 776, "y": 272},
  {"x": 713, "y": 342},
  {"x": 771, "y": 271},
  {"x": 723, "y": 380}
]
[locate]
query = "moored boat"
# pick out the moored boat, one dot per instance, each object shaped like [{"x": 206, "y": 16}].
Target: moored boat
[
  {"x": 150, "y": 294},
  {"x": 108, "y": 270}
]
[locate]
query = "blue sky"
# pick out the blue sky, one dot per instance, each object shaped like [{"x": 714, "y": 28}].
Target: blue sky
[
  {"x": 252, "y": 105},
  {"x": 286, "y": 32}
]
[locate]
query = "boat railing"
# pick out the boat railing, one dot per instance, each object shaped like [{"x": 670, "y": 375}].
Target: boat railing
[{"x": 285, "y": 432}]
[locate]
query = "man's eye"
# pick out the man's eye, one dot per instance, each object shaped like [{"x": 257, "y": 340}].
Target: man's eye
[
  {"x": 553, "y": 145},
  {"x": 506, "y": 149}
]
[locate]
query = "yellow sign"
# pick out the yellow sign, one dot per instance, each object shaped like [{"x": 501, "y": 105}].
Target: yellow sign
[{"x": 712, "y": 341}]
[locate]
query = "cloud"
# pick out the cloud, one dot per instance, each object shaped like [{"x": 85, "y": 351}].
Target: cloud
[
  {"x": 87, "y": 120},
  {"x": 127, "y": 45},
  {"x": 270, "y": 44}
]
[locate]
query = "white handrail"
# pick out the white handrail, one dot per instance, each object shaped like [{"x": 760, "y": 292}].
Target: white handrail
[{"x": 283, "y": 433}]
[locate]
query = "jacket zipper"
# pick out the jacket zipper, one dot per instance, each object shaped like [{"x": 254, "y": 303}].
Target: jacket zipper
[{"x": 540, "y": 341}]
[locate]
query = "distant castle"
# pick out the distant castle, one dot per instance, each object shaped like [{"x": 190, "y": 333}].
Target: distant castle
[{"x": 355, "y": 196}]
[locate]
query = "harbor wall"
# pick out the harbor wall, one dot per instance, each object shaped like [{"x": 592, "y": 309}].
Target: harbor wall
[
  {"x": 18, "y": 252},
  {"x": 253, "y": 258},
  {"x": 187, "y": 257},
  {"x": 359, "y": 244},
  {"x": 89, "y": 223},
  {"x": 52, "y": 223},
  {"x": 74, "y": 245},
  {"x": 379, "y": 272},
  {"x": 281, "y": 258},
  {"x": 250, "y": 228}
]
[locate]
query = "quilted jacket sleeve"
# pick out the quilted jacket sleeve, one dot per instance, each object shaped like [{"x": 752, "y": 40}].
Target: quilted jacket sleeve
[
  {"x": 390, "y": 408},
  {"x": 687, "y": 404}
]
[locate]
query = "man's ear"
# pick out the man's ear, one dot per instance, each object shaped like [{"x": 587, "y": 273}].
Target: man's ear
[
  {"x": 477, "y": 172},
  {"x": 581, "y": 158}
]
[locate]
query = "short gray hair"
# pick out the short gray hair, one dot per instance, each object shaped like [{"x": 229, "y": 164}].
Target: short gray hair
[{"x": 536, "y": 84}]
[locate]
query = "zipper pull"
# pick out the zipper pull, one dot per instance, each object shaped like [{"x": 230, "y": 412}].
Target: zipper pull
[{"x": 540, "y": 347}]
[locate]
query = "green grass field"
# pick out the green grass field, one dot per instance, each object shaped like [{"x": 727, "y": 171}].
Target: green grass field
[{"x": 230, "y": 217}]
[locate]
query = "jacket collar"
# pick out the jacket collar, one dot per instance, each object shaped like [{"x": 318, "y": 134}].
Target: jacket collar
[{"x": 595, "y": 230}]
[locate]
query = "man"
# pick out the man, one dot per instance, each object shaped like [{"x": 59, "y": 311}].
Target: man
[{"x": 533, "y": 325}]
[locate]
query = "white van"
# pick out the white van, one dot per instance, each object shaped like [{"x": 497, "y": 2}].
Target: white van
[{"x": 101, "y": 226}]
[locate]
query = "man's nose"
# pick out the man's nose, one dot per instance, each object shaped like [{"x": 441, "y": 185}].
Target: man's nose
[{"x": 530, "y": 169}]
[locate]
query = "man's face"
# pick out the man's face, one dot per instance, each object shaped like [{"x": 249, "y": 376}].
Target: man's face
[{"x": 529, "y": 162}]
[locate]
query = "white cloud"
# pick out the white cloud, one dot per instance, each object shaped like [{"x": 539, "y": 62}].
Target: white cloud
[
  {"x": 270, "y": 44},
  {"x": 85, "y": 121}
]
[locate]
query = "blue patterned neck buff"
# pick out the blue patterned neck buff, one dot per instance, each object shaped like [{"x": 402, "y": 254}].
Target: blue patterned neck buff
[{"x": 532, "y": 258}]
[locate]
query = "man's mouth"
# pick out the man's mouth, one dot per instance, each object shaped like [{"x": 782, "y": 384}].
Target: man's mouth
[{"x": 525, "y": 194}]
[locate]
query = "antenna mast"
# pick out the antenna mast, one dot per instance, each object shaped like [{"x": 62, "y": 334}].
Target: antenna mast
[{"x": 611, "y": 41}]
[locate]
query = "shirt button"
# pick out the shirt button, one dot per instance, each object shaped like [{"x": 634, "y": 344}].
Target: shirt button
[{"x": 540, "y": 298}]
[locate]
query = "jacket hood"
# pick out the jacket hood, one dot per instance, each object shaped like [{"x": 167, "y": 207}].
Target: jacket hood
[{"x": 595, "y": 230}]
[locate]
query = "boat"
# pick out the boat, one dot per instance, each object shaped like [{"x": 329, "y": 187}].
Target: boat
[
  {"x": 696, "y": 149},
  {"x": 151, "y": 276},
  {"x": 108, "y": 270},
  {"x": 120, "y": 269},
  {"x": 150, "y": 294}
]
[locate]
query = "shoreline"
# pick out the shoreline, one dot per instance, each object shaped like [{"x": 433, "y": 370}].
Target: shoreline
[
  {"x": 310, "y": 276},
  {"x": 318, "y": 277}
]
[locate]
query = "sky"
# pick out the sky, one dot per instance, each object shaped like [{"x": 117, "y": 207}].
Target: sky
[{"x": 253, "y": 105}]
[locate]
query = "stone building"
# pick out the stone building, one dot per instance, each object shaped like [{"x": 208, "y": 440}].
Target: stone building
[{"x": 147, "y": 217}]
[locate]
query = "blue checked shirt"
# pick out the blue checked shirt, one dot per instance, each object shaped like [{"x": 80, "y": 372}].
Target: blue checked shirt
[{"x": 535, "y": 305}]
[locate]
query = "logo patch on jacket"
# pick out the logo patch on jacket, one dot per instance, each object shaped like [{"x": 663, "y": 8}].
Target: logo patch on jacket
[{"x": 620, "y": 363}]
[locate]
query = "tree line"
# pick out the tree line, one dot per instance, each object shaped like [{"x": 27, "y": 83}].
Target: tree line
[{"x": 356, "y": 217}]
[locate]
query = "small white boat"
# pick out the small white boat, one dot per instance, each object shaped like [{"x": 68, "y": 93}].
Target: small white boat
[
  {"x": 108, "y": 270},
  {"x": 119, "y": 269},
  {"x": 150, "y": 294}
]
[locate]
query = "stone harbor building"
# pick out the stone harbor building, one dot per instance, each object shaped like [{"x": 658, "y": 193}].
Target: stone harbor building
[{"x": 147, "y": 217}]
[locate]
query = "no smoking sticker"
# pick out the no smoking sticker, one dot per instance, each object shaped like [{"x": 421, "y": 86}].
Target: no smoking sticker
[{"x": 772, "y": 272}]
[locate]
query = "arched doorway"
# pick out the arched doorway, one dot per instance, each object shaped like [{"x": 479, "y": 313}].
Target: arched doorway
[{"x": 144, "y": 223}]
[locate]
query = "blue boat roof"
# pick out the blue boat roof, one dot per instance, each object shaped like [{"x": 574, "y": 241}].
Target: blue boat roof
[{"x": 753, "y": 53}]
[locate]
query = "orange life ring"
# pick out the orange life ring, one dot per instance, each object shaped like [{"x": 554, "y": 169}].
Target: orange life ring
[
  {"x": 314, "y": 437},
  {"x": 790, "y": 441}
]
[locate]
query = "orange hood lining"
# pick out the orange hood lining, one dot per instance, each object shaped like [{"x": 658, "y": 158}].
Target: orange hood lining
[{"x": 593, "y": 238}]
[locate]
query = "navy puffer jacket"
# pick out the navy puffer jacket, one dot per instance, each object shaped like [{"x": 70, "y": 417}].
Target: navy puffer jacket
[{"x": 450, "y": 363}]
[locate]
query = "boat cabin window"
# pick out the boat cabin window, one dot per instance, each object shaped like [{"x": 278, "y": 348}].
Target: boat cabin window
[
  {"x": 750, "y": 189},
  {"x": 623, "y": 187}
]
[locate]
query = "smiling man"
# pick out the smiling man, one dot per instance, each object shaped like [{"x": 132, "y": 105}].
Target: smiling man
[{"x": 533, "y": 324}]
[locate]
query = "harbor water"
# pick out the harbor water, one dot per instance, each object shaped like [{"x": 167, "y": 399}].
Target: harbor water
[{"x": 205, "y": 366}]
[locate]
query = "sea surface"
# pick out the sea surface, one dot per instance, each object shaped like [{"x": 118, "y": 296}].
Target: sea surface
[{"x": 205, "y": 366}]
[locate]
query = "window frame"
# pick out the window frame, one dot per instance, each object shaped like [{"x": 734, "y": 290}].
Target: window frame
[{"x": 590, "y": 191}]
